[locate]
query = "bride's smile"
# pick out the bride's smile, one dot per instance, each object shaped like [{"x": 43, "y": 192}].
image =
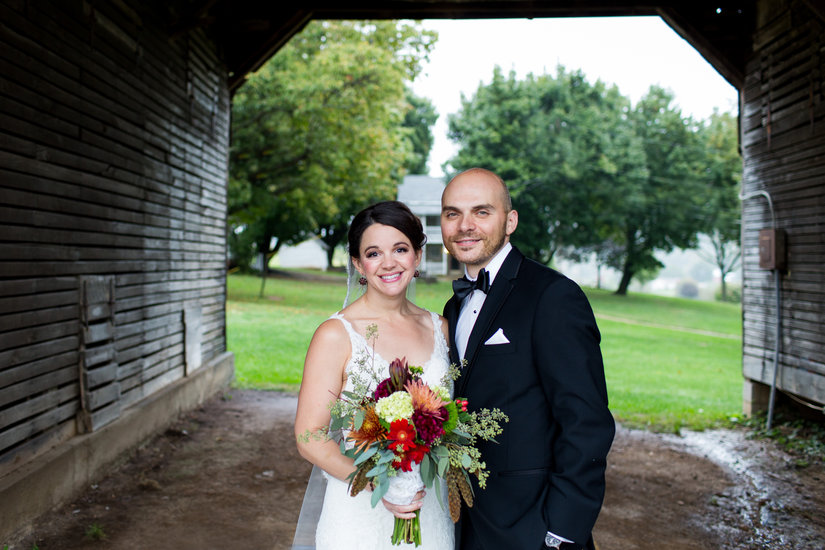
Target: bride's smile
[{"x": 386, "y": 259}]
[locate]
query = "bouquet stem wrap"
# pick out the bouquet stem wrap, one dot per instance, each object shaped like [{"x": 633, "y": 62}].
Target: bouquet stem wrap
[{"x": 403, "y": 488}]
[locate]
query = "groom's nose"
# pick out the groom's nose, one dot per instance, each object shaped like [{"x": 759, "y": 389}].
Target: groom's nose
[{"x": 466, "y": 224}]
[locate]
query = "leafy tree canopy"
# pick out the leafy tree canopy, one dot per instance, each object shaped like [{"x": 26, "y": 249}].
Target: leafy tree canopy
[
  {"x": 317, "y": 132},
  {"x": 588, "y": 172}
]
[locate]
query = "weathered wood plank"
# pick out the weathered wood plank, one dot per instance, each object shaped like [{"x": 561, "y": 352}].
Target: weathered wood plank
[
  {"x": 37, "y": 424},
  {"x": 36, "y": 405},
  {"x": 97, "y": 332},
  {"x": 35, "y": 286},
  {"x": 105, "y": 415},
  {"x": 43, "y": 300},
  {"x": 35, "y": 335},
  {"x": 92, "y": 378},
  {"x": 33, "y": 369},
  {"x": 800, "y": 382},
  {"x": 31, "y": 387},
  {"x": 34, "y": 446},
  {"x": 102, "y": 396},
  {"x": 26, "y": 354},
  {"x": 92, "y": 358}
]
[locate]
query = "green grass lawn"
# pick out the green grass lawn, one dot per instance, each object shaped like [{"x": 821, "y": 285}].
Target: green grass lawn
[{"x": 669, "y": 362}]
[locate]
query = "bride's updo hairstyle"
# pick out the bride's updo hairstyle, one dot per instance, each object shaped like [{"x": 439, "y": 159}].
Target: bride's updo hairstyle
[{"x": 392, "y": 213}]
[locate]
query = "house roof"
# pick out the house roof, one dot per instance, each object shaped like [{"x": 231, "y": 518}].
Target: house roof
[{"x": 422, "y": 194}]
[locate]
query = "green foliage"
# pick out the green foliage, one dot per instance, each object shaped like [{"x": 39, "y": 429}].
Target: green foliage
[
  {"x": 722, "y": 210},
  {"x": 95, "y": 532},
  {"x": 591, "y": 175},
  {"x": 419, "y": 120},
  {"x": 317, "y": 131},
  {"x": 802, "y": 437}
]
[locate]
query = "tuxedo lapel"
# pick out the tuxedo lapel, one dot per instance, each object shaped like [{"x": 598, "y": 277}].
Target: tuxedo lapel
[
  {"x": 451, "y": 311},
  {"x": 499, "y": 291}
]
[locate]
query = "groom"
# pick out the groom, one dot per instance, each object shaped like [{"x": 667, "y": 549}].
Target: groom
[{"x": 532, "y": 350}]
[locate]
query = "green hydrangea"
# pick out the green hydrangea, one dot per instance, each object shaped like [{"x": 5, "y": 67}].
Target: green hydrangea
[
  {"x": 443, "y": 393},
  {"x": 394, "y": 407}
]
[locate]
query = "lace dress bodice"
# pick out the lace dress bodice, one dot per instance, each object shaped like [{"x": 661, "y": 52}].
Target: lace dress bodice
[
  {"x": 365, "y": 357},
  {"x": 351, "y": 522}
]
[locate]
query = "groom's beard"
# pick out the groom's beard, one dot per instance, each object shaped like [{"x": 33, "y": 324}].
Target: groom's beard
[{"x": 490, "y": 245}]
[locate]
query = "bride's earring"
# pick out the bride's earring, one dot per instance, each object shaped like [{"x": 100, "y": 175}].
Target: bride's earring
[
  {"x": 362, "y": 280},
  {"x": 417, "y": 274}
]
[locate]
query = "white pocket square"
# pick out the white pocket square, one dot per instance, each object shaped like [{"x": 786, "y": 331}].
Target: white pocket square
[{"x": 497, "y": 338}]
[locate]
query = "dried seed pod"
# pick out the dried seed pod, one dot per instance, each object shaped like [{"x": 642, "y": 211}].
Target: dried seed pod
[
  {"x": 453, "y": 494},
  {"x": 359, "y": 482},
  {"x": 465, "y": 489}
]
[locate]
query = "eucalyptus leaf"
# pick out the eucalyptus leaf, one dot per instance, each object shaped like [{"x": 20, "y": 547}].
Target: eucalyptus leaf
[
  {"x": 443, "y": 464},
  {"x": 337, "y": 423},
  {"x": 386, "y": 457},
  {"x": 380, "y": 490},
  {"x": 358, "y": 419},
  {"x": 461, "y": 433},
  {"x": 466, "y": 461},
  {"x": 366, "y": 455},
  {"x": 427, "y": 471},
  {"x": 439, "y": 496}
]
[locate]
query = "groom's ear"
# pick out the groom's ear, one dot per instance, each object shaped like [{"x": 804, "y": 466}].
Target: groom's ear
[{"x": 512, "y": 222}]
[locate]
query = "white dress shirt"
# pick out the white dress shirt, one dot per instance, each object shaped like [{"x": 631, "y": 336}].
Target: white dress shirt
[{"x": 471, "y": 306}]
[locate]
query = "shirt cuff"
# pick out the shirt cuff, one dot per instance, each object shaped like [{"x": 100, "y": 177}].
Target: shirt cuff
[{"x": 555, "y": 536}]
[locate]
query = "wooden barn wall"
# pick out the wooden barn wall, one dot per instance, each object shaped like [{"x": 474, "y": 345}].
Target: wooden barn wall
[
  {"x": 113, "y": 154},
  {"x": 783, "y": 137}
]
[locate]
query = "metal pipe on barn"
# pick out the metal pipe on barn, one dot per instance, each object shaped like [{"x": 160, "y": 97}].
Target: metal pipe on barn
[{"x": 776, "y": 260}]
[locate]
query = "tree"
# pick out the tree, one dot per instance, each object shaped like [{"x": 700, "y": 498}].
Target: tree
[
  {"x": 587, "y": 173},
  {"x": 317, "y": 131},
  {"x": 663, "y": 210},
  {"x": 560, "y": 143},
  {"x": 722, "y": 174},
  {"x": 419, "y": 121}
]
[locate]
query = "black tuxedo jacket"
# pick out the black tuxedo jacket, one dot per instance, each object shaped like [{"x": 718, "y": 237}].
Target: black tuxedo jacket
[{"x": 547, "y": 469}]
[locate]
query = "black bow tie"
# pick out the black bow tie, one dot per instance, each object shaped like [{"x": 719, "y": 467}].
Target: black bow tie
[{"x": 463, "y": 287}]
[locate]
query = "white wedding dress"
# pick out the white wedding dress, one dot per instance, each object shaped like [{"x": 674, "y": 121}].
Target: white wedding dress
[{"x": 351, "y": 523}]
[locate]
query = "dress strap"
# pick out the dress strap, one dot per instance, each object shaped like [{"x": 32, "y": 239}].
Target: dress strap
[
  {"x": 438, "y": 336},
  {"x": 355, "y": 339}
]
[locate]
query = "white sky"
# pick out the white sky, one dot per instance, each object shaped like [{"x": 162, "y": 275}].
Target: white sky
[{"x": 631, "y": 52}]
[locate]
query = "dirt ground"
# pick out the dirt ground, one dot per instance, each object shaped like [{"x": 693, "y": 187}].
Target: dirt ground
[{"x": 228, "y": 476}]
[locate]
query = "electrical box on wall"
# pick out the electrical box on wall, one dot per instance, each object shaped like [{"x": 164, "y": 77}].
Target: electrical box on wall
[{"x": 772, "y": 250}]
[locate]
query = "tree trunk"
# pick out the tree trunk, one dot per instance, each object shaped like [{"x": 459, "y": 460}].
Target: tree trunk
[
  {"x": 627, "y": 275},
  {"x": 264, "y": 273},
  {"x": 266, "y": 255},
  {"x": 330, "y": 253}
]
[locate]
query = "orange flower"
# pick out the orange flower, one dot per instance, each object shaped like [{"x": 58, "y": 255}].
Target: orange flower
[
  {"x": 371, "y": 430},
  {"x": 424, "y": 399}
]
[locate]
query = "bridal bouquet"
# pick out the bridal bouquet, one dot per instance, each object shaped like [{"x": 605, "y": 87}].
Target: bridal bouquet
[{"x": 404, "y": 435}]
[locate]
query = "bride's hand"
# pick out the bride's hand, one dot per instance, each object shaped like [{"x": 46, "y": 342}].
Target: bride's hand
[{"x": 406, "y": 511}]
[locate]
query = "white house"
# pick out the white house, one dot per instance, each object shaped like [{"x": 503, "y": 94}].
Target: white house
[{"x": 423, "y": 195}]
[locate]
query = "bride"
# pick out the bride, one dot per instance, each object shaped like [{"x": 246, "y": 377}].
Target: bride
[{"x": 385, "y": 243}]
